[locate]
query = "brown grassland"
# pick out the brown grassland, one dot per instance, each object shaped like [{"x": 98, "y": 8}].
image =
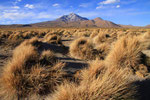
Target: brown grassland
[{"x": 74, "y": 64}]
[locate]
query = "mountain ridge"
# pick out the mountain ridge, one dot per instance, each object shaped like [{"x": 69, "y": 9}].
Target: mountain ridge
[
  {"x": 74, "y": 20},
  {"x": 147, "y": 26}
]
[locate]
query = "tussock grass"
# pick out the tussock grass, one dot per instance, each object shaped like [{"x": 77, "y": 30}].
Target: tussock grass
[
  {"x": 94, "y": 33},
  {"x": 22, "y": 82},
  {"x": 48, "y": 58},
  {"x": 81, "y": 48},
  {"x": 54, "y": 39},
  {"x": 13, "y": 73},
  {"x": 95, "y": 69},
  {"x": 142, "y": 71},
  {"x": 15, "y": 36},
  {"x": 82, "y": 33},
  {"x": 113, "y": 85},
  {"x": 125, "y": 53},
  {"x": 103, "y": 49},
  {"x": 113, "y": 56},
  {"x": 30, "y": 73},
  {"x": 100, "y": 38},
  {"x": 146, "y": 35},
  {"x": 28, "y": 35},
  {"x": 33, "y": 41}
]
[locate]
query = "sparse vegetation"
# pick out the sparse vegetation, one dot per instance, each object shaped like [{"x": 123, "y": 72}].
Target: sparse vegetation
[{"x": 74, "y": 64}]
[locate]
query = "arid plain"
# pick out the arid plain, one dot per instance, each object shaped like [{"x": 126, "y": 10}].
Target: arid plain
[{"x": 74, "y": 64}]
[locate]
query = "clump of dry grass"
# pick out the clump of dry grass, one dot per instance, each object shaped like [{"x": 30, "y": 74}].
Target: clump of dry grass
[
  {"x": 33, "y": 41},
  {"x": 29, "y": 72},
  {"x": 146, "y": 35},
  {"x": 12, "y": 77},
  {"x": 15, "y": 36},
  {"x": 24, "y": 51},
  {"x": 14, "y": 39},
  {"x": 103, "y": 50},
  {"x": 100, "y": 38},
  {"x": 21, "y": 83},
  {"x": 82, "y": 48},
  {"x": 82, "y": 33},
  {"x": 142, "y": 71},
  {"x": 47, "y": 58},
  {"x": 43, "y": 80},
  {"x": 53, "y": 39},
  {"x": 113, "y": 85},
  {"x": 94, "y": 33},
  {"x": 5, "y": 34},
  {"x": 120, "y": 34},
  {"x": 27, "y": 35},
  {"x": 95, "y": 69},
  {"x": 126, "y": 52}
]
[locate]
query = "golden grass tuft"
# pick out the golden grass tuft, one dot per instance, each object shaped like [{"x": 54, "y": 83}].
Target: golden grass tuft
[
  {"x": 103, "y": 50},
  {"x": 33, "y": 41},
  {"x": 81, "y": 48},
  {"x": 142, "y": 71},
  {"x": 146, "y": 35},
  {"x": 24, "y": 51},
  {"x": 32, "y": 73},
  {"x": 15, "y": 36},
  {"x": 48, "y": 58},
  {"x": 53, "y": 39},
  {"x": 126, "y": 52},
  {"x": 44, "y": 80},
  {"x": 22, "y": 83},
  {"x": 95, "y": 69},
  {"x": 94, "y": 33},
  {"x": 100, "y": 38},
  {"x": 113, "y": 85},
  {"x": 29, "y": 73}
]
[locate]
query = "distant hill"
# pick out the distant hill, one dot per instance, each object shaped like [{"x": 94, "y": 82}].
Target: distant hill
[
  {"x": 148, "y": 26},
  {"x": 74, "y": 20},
  {"x": 129, "y": 26},
  {"x": 99, "y": 22}
]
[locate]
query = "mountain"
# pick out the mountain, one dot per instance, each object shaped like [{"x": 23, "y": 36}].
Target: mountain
[
  {"x": 129, "y": 26},
  {"x": 71, "y": 18},
  {"x": 74, "y": 20},
  {"x": 99, "y": 22},
  {"x": 148, "y": 26}
]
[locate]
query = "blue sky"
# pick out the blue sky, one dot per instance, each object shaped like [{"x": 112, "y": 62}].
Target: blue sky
[{"x": 134, "y": 12}]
